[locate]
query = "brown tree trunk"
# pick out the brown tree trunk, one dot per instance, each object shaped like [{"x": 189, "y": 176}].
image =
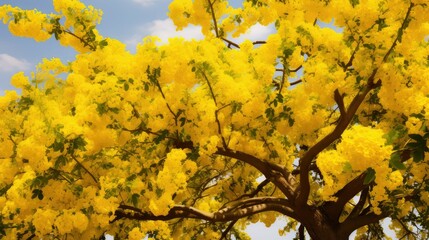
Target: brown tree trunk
[{"x": 319, "y": 227}]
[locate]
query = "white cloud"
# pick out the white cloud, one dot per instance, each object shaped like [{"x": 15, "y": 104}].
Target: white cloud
[
  {"x": 144, "y": 2},
  {"x": 9, "y": 63},
  {"x": 164, "y": 29},
  {"x": 257, "y": 32}
]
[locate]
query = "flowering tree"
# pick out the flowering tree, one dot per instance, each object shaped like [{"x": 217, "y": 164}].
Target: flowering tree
[{"x": 195, "y": 139}]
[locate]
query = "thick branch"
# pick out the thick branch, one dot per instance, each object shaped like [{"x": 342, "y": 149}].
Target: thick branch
[
  {"x": 224, "y": 233},
  {"x": 361, "y": 203},
  {"x": 252, "y": 194},
  {"x": 301, "y": 233},
  {"x": 349, "y": 225},
  {"x": 334, "y": 209},
  {"x": 247, "y": 208},
  {"x": 306, "y": 160},
  {"x": 271, "y": 171}
]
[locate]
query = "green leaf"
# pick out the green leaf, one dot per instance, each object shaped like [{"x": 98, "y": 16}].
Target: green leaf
[
  {"x": 162, "y": 135},
  {"x": 369, "y": 46},
  {"x": 107, "y": 165},
  {"x": 79, "y": 143},
  {"x": 37, "y": 193},
  {"x": 369, "y": 177},
  {"x": 381, "y": 23},
  {"x": 354, "y": 2},
  {"x": 236, "y": 107},
  {"x": 347, "y": 167},
  {"x": 102, "y": 108},
  {"x": 413, "y": 145},
  {"x": 135, "y": 199},
  {"x": 394, "y": 134},
  {"x": 418, "y": 155},
  {"x": 58, "y": 146},
  {"x": 61, "y": 161},
  {"x": 182, "y": 121},
  {"x": 4, "y": 190},
  {"x": 39, "y": 181},
  {"x": 159, "y": 192},
  {"x": 103, "y": 43},
  {"x": 395, "y": 161},
  {"x": 416, "y": 137},
  {"x": 269, "y": 113},
  {"x": 2, "y": 232}
]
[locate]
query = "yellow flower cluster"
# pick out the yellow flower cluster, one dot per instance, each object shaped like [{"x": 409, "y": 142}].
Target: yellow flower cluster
[
  {"x": 360, "y": 148},
  {"x": 170, "y": 180},
  {"x": 28, "y": 23}
]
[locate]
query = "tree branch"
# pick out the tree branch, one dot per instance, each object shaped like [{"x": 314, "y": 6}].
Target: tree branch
[
  {"x": 213, "y": 17},
  {"x": 334, "y": 209},
  {"x": 290, "y": 70},
  {"x": 91, "y": 47},
  {"x": 296, "y": 82},
  {"x": 219, "y": 128},
  {"x": 283, "y": 79},
  {"x": 361, "y": 203},
  {"x": 243, "y": 209},
  {"x": 351, "y": 224},
  {"x": 231, "y": 43},
  {"x": 252, "y": 194},
  {"x": 350, "y": 62},
  {"x": 84, "y": 168},
  {"x": 306, "y": 160},
  {"x": 301, "y": 233},
  {"x": 274, "y": 173}
]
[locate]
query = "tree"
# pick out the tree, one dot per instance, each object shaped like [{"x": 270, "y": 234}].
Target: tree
[{"x": 194, "y": 139}]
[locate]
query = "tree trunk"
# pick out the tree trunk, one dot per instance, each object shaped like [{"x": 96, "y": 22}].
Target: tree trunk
[{"x": 319, "y": 227}]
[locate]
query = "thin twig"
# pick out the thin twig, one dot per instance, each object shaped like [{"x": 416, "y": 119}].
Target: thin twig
[
  {"x": 231, "y": 43},
  {"x": 225, "y": 145},
  {"x": 91, "y": 47},
  {"x": 259, "y": 42},
  {"x": 296, "y": 82},
  {"x": 84, "y": 168},
  {"x": 350, "y": 62},
  {"x": 213, "y": 17},
  {"x": 283, "y": 78}
]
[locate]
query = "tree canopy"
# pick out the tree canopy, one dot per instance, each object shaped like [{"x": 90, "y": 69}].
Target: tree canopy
[{"x": 195, "y": 139}]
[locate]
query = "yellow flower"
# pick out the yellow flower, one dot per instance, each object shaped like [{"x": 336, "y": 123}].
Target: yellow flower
[
  {"x": 135, "y": 234},
  {"x": 43, "y": 221},
  {"x": 19, "y": 80},
  {"x": 80, "y": 221}
]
